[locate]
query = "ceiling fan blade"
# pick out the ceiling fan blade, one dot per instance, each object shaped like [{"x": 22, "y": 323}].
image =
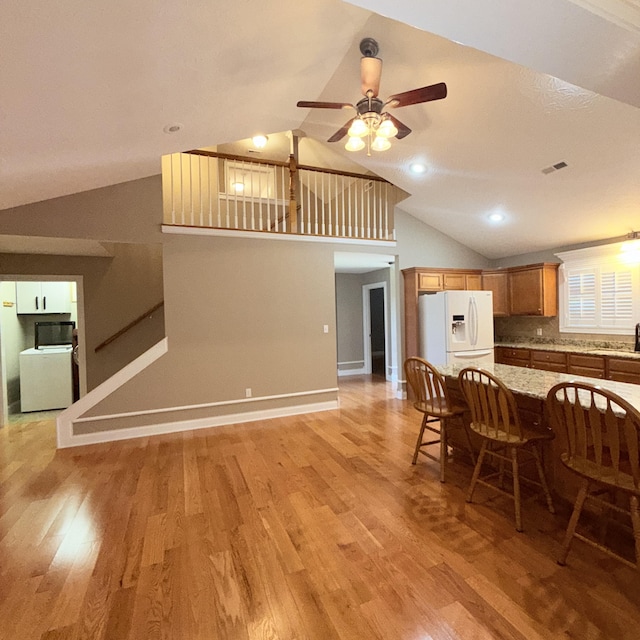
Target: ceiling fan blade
[
  {"x": 403, "y": 130},
  {"x": 370, "y": 72},
  {"x": 324, "y": 105},
  {"x": 416, "y": 96},
  {"x": 341, "y": 133}
]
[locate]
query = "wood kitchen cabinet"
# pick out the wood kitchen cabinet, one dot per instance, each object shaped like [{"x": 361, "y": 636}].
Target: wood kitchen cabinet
[
  {"x": 430, "y": 281},
  {"x": 473, "y": 282},
  {"x": 623, "y": 370},
  {"x": 533, "y": 290},
  {"x": 549, "y": 361},
  {"x": 43, "y": 297},
  {"x": 579, "y": 364},
  {"x": 454, "y": 281},
  {"x": 498, "y": 283},
  {"x": 516, "y": 357}
]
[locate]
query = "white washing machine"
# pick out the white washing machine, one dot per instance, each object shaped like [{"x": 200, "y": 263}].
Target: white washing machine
[{"x": 45, "y": 379}]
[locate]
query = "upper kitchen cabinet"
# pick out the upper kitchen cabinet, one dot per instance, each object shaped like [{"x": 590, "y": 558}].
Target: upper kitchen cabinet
[
  {"x": 533, "y": 290},
  {"x": 498, "y": 283},
  {"x": 43, "y": 297}
]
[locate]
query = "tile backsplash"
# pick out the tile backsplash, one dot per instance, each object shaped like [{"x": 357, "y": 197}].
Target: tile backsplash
[{"x": 525, "y": 329}]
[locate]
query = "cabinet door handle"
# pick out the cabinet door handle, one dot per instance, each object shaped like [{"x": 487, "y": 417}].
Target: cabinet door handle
[
  {"x": 44, "y": 302},
  {"x": 37, "y": 307}
]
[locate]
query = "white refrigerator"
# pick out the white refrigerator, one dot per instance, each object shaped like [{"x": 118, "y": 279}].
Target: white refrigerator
[{"x": 456, "y": 327}]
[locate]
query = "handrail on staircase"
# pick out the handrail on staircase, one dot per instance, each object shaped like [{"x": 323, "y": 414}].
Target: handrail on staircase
[{"x": 132, "y": 324}]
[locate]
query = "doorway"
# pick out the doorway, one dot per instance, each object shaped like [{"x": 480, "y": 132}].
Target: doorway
[
  {"x": 374, "y": 305},
  {"x": 62, "y": 295}
]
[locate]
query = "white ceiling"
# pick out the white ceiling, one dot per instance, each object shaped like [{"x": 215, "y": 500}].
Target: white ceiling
[{"x": 89, "y": 87}]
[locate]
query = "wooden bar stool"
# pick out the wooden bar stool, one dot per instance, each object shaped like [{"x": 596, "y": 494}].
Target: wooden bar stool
[
  {"x": 602, "y": 434},
  {"x": 495, "y": 418},
  {"x": 431, "y": 398}
]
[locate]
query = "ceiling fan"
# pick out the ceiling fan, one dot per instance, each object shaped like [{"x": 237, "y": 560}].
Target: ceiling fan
[{"x": 371, "y": 121}]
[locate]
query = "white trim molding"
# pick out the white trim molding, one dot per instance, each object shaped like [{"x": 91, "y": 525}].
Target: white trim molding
[
  {"x": 72, "y": 416},
  {"x": 160, "y": 428},
  {"x": 69, "y": 416},
  {"x": 269, "y": 235}
]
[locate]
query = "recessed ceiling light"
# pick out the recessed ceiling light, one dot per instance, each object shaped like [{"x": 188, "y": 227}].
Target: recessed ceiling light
[
  {"x": 418, "y": 167},
  {"x": 496, "y": 217},
  {"x": 260, "y": 141},
  {"x": 172, "y": 128}
]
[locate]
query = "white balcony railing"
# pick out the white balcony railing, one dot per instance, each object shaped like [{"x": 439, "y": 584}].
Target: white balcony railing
[{"x": 220, "y": 191}]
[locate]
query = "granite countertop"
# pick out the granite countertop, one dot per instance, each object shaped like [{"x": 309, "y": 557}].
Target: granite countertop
[
  {"x": 571, "y": 348},
  {"x": 536, "y": 383}
]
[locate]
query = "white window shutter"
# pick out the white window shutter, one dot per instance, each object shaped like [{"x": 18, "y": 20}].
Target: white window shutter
[
  {"x": 581, "y": 298},
  {"x": 616, "y": 292}
]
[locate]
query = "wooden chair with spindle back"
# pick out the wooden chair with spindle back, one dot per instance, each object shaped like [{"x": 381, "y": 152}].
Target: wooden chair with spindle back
[
  {"x": 495, "y": 418},
  {"x": 431, "y": 398},
  {"x": 602, "y": 432}
]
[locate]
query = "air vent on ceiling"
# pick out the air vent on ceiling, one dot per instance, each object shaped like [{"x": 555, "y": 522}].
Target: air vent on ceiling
[{"x": 555, "y": 167}]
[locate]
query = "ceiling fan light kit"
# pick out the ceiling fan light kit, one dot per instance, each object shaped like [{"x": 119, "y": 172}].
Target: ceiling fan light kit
[{"x": 372, "y": 123}]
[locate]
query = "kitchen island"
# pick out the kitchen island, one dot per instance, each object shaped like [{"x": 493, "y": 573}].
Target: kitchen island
[{"x": 530, "y": 388}]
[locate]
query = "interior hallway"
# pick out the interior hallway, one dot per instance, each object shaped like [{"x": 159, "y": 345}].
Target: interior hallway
[{"x": 313, "y": 526}]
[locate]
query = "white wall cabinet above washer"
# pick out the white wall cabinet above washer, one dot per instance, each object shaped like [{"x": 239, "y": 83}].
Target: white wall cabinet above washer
[{"x": 43, "y": 297}]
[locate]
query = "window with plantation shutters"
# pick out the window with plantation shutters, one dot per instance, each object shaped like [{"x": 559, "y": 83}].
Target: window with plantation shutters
[
  {"x": 582, "y": 298},
  {"x": 599, "y": 291}
]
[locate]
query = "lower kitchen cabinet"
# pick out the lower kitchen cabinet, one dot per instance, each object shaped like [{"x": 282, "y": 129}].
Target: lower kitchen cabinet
[
  {"x": 623, "y": 370},
  {"x": 586, "y": 365},
  {"x": 549, "y": 361},
  {"x": 579, "y": 364},
  {"x": 516, "y": 357}
]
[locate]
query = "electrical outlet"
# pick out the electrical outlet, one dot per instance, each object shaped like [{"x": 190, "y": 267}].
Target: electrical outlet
[
  {"x": 247, "y": 392},
  {"x": 325, "y": 328},
  {"x": 539, "y": 331}
]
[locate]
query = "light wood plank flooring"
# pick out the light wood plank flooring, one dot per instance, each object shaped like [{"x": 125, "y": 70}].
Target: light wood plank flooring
[{"x": 310, "y": 527}]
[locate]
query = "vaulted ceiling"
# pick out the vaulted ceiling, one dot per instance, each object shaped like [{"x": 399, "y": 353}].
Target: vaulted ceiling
[{"x": 88, "y": 90}]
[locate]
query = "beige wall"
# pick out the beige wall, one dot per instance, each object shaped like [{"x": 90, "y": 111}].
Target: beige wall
[
  {"x": 116, "y": 291},
  {"x": 240, "y": 314}
]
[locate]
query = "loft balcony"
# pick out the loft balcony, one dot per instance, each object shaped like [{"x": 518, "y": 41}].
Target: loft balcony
[{"x": 207, "y": 190}]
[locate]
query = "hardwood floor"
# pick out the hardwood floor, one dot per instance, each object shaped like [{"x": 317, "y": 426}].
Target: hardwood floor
[{"x": 313, "y": 526}]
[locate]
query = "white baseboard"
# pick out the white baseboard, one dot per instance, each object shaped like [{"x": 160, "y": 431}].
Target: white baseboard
[
  {"x": 351, "y": 372},
  {"x": 361, "y": 370},
  {"x": 199, "y": 423}
]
